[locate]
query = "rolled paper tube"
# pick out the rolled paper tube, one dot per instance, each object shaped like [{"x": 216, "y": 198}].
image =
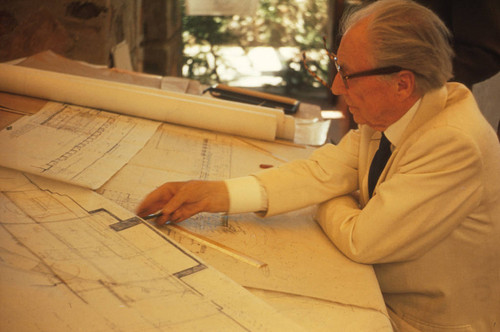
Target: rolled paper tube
[
  {"x": 189, "y": 110},
  {"x": 285, "y": 123}
]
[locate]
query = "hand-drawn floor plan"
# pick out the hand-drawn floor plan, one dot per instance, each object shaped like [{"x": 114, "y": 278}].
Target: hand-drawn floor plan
[{"x": 72, "y": 261}]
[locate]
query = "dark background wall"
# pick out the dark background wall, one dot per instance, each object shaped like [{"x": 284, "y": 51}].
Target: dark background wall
[
  {"x": 81, "y": 30},
  {"x": 88, "y": 31}
]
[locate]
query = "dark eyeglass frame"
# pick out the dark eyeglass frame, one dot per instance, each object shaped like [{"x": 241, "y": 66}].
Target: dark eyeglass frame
[{"x": 345, "y": 78}]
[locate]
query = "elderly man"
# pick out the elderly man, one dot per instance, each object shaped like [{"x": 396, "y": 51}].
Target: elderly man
[{"x": 415, "y": 191}]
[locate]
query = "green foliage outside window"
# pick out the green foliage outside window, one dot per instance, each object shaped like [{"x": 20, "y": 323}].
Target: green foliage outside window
[{"x": 278, "y": 23}]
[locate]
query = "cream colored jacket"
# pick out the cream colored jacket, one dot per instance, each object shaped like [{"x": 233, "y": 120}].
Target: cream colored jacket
[{"x": 432, "y": 228}]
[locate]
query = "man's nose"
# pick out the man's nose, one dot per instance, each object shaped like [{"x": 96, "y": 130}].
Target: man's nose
[{"x": 338, "y": 87}]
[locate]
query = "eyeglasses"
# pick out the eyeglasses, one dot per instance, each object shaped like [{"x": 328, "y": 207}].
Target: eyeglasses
[{"x": 340, "y": 71}]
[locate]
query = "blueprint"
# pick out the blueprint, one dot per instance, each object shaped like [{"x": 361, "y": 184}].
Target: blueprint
[{"x": 71, "y": 260}]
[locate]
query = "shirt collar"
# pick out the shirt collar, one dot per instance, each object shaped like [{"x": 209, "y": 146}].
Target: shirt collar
[{"x": 395, "y": 131}]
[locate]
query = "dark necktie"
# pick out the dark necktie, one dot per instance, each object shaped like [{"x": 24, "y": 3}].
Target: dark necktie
[{"x": 378, "y": 163}]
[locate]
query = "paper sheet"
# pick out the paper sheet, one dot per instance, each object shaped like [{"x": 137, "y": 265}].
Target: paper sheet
[
  {"x": 178, "y": 153},
  {"x": 50, "y": 61},
  {"x": 300, "y": 259},
  {"x": 63, "y": 268},
  {"x": 73, "y": 144}
]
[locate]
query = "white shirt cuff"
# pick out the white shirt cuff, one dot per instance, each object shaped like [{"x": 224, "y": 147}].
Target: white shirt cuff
[{"x": 245, "y": 195}]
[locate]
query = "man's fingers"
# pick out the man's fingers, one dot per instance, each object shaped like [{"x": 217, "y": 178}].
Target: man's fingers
[
  {"x": 151, "y": 204},
  {"x": 182, "y": 213},
  {"x": 161, "y": 220},
  {"x": 157, "y": 199},
  {"x": 181, "y": 200},
  {"x": 181, "y": 197}
]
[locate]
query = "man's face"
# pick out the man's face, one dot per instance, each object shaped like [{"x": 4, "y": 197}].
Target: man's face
[{"x": 371, "y": 99}]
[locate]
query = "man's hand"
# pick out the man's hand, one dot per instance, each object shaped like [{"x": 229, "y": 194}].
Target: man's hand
[{"x": 181, "y": 200}]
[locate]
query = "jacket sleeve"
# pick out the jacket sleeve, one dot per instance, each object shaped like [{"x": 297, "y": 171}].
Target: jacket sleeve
[
  {"x": 330, "y": 171},
  {"x": 436, "y": 184}
]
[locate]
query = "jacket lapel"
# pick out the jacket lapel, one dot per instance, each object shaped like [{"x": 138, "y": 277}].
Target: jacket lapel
[{"x": 432, "y": 103}]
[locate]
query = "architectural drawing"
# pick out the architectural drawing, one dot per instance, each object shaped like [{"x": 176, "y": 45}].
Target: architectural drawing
[
  {"x": 72, "y": 261},
  {"x": 298, "y": 258},
  {"x": 73, "y": 144},
  {"x": 177, "y": 153}
]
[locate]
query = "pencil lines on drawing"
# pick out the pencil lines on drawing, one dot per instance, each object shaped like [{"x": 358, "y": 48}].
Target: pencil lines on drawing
[
  {"x": 75, "y": 144},
  {"x": 215, "y": 160},
  {"x": 78, "y": 147},
  {"x": 40, "y": 207},
  {"x": 126, "y": 200},
  {"x": 76, "y": 119},
  {"x": 83, "y": 253}
]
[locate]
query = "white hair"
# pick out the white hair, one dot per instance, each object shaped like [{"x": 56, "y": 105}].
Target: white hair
[{"x": 406, "y": 34}]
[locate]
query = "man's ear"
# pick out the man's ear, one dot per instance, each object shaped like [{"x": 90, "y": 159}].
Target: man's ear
[{"x": 405, "y": 84}]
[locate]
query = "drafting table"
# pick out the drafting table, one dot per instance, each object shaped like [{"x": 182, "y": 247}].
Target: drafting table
[{"x": 287, "y": 266}]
